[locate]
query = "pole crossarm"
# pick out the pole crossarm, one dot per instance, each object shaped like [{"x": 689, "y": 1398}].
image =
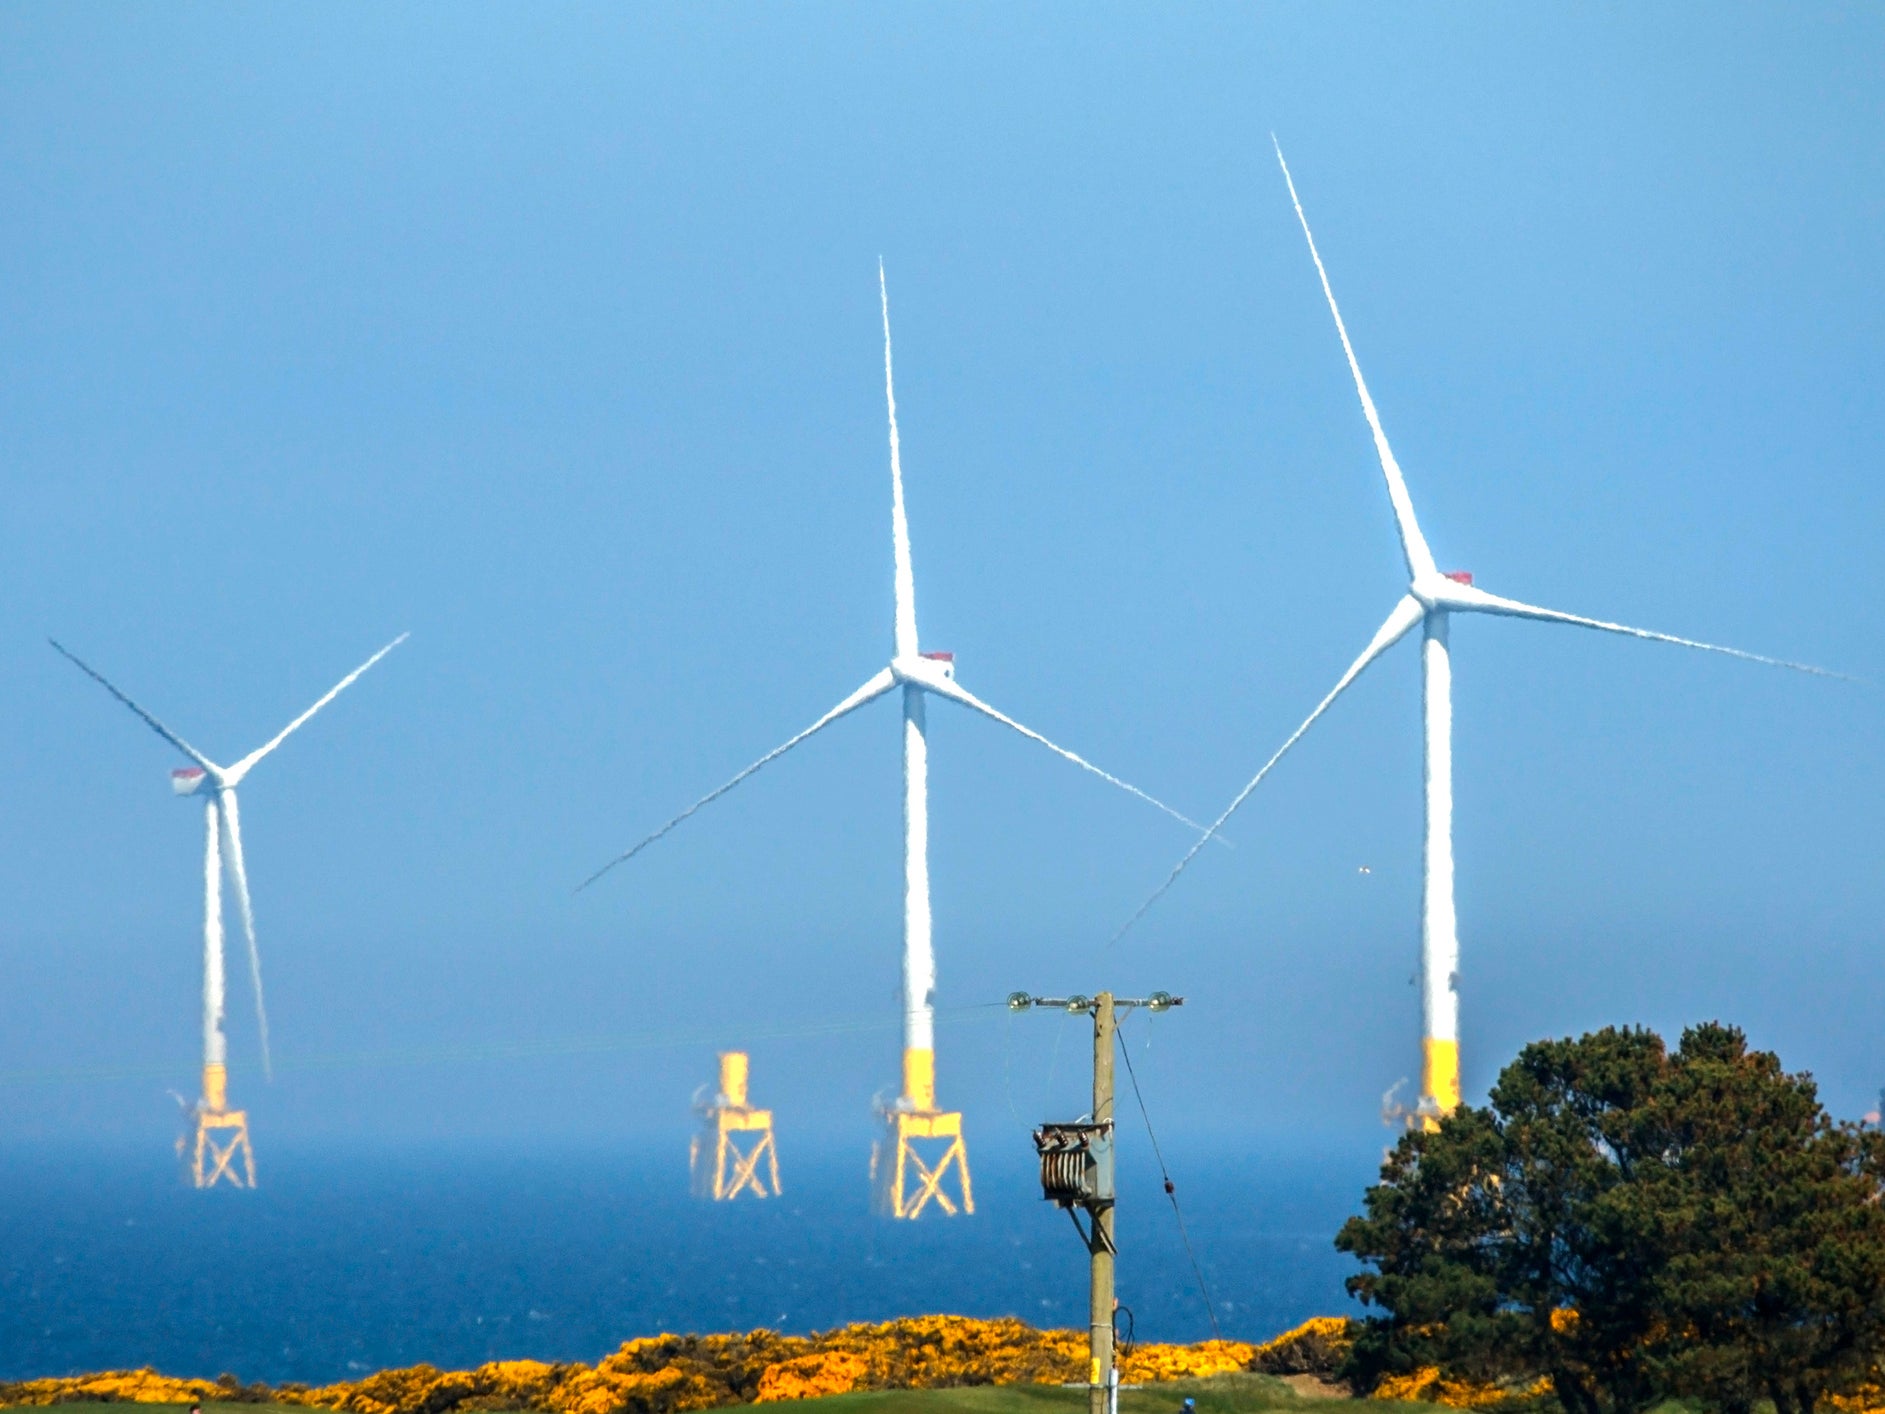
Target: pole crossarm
[{"x": 1088, "y": 1006}]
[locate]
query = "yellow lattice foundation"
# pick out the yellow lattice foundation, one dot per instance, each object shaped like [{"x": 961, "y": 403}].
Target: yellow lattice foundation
[
  {"x": 734, "y": 1141},
  {"x": 220, "y": 1151},
  {"x": 921, "y": 1149}
]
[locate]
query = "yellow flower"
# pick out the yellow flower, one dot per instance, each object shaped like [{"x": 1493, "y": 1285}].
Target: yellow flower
[
  {"x": 810, "y": 1376},
  {"x": 1427, "y": 1385}
]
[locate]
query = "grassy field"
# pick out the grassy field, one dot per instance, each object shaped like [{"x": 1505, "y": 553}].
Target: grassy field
[{"x": 1222, "y": 1394}]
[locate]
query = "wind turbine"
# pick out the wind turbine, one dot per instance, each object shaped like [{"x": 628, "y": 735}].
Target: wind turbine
[
  {"x": 905, "y": 1180},
  {"x": 1431, "y": 600},
  {"x": 213, "y": 1155}
]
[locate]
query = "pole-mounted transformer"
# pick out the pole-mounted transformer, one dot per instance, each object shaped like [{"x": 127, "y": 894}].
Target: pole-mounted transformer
[{"x": 1076, "y": 1163}]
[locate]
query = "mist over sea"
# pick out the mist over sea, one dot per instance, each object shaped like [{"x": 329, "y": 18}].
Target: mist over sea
[{"x": 346, "y": 1262}]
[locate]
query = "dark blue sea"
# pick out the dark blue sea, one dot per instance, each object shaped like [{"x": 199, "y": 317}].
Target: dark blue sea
[{"x": 342, "y": 1263}]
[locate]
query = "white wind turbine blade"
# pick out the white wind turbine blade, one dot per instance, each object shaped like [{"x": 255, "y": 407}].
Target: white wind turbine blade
[
  {"x": 876, "y": 687},
  {"x": 1406, "y": 614},
  {"x": 905, "y": 631},
  {"x": 1466, "y": 597},
  {"x": 247, "y": 763},
  {"x": 954, "y": 691},
  {"x": 239, "y": 872},
  {"x": 1413, "y": 544},
  {"x": 215, "y": 771}
]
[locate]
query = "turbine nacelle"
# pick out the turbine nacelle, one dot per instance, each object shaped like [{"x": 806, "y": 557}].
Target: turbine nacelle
[
  {"x": 925, "y": 669},
  {"x": 1450, "y": 589},
  {"x": 190, "y": 780}
]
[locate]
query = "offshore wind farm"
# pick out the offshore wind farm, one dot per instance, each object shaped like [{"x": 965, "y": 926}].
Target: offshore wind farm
[
  {"x": 592, "y": 1016},
  {"x": 919, "y": 1160}
]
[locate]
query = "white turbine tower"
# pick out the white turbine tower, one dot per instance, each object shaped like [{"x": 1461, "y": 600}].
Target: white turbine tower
[
  {"x": 1431, "y": 600},
  {"x": 213, "y": 1157},
  {"x": 905, "y": 1179}
]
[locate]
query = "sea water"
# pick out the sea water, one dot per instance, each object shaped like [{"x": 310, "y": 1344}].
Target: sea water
[{"x": 341, "y": 1263}]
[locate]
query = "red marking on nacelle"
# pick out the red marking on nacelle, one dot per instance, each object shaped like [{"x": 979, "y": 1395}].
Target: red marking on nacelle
[
  {"x": 1460, "y": 576},
  {"x": 939, "y": 657},
  {"x": 186, "y": 773}
]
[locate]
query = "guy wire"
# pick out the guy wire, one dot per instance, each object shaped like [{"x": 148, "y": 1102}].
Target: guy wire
[
  {"x": 1007, "y": 1067},
  {"x": 1171, "y": 1189},
  {"x": 1053, "y": 1057}
]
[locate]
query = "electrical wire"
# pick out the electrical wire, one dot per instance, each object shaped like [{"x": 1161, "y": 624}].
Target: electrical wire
[
  {"x": 1125, "y": 1345},
  {"x": 1171, "y": 1189},
  {"x": 520, "y": 1050}
]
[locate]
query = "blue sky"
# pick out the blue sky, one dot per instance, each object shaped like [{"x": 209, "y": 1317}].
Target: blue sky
[{"x": 550, "y": 335}]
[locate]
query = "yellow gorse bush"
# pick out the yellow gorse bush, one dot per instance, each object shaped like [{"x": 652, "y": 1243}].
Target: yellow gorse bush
[
  {"x": 811, "y": 1376},
  {"x": 1148, "y": 1364},
  {"x": 1315, "y": 1347},
  {"x": 1428, "y": 1386},
  {"x": 1869, "y": 1398},
  {"x": 674, "y": 1374},
  {"x": 110, "y": 1387}
]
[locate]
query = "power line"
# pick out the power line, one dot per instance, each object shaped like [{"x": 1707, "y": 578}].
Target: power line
[{"x": 520, "y": 1050}]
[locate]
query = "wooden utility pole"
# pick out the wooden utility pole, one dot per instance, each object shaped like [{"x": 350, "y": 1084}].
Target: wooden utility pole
[
  {"x": 1103, "y": 1380},
  {"x": 1077, "y": 1172}
]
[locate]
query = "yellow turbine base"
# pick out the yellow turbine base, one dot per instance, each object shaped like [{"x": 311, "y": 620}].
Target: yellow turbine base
[
  {"x": 919, "y": 1079},
  {"x": 216, "y": 1087},
  {"x": 734, "y": 1069},
  {"x": 734, "y": 1140},
  {"x": 921, "y": 1149},
  {"x": 1439, "y": 1080},
  {"x": 219, "y": 1146}
]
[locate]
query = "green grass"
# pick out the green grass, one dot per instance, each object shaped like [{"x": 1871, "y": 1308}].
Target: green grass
[{"x": 1221, "y": 1394}]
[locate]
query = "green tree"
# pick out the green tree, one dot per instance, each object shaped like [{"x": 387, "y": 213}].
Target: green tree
[
  {"x": 1484, "y": 1231},
  {"x": 1773, "y": 1282},
  {"x": 1630, "y": 1224}
]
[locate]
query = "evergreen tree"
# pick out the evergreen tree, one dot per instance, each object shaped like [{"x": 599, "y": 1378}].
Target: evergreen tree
[
  {"x": 1632, "y": 1225},
  {"x": 1774, "y": 1279}
]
